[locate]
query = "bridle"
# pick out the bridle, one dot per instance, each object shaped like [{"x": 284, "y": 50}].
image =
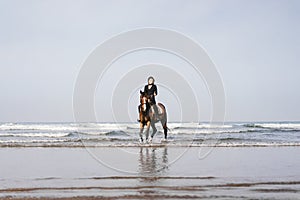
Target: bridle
[{"x": 144, "y": 104}]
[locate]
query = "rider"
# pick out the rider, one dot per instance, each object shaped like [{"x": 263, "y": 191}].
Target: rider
[{"x": 151, "y": 90}]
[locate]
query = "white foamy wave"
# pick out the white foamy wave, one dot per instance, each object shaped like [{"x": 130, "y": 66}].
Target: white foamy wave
[
  {"x": 97, "y": 134},
  {"x": 100, "y": 126},
  {"x": 179, "y": 131},
  {"x": 183, "y": 125},
  {"x": 295, "y": 126},
  {"x": 47, "y": 141},
  {"x": 135, "y": 143},
  {"x": 260, "y": 144},
  {"x": 198, "y": 126},
  {"x": 212, "y": 126},
  {"x": 51, "y": 135},
  {"x": 42, "y": 127}
]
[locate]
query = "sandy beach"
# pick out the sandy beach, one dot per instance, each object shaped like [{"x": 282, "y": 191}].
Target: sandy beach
[
  {"x": 150, "y": 173},
  {"x": 158, "y": 100}
]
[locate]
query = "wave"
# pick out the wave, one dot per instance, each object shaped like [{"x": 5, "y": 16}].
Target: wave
[
  {"x": 106, "y": 142},
  {"x": 198, "y": 126},
  {"x": 122, "y": 133},
  {"x": 63, "y": 134},
  {"x": 213, "y": 131},
  {"x": 47, "y": 135},
  {"x": 230, "y": 139},
  {"x": 126, "y": 134},
  {"x": 59, "y": 129},
  {"x": 107, "y": 127},
  {"x": 116, "y": 133},
  {"x": 43, "y": 127},
  {"x": 278, "y": 126}
]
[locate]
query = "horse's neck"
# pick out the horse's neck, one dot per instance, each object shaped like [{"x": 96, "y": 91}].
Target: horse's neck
[{"x": 148, "y": 107}]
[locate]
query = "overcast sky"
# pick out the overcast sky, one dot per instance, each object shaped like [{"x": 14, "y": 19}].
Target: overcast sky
[{"x": 255, "y": 45}]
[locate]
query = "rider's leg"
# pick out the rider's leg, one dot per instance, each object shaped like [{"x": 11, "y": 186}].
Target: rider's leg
[{"x": 155, "y": 110}]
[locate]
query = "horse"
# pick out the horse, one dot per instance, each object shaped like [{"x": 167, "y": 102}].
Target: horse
[{"x": 147, "y": 117}]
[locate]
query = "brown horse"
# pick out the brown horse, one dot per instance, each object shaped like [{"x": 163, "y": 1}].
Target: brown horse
[{"x": 149, "y": 118}]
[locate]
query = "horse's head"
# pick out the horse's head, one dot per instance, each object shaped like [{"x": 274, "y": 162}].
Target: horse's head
[{"x": 144, "y": 101}]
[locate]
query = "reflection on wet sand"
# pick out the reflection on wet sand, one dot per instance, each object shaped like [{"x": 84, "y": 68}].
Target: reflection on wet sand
[{"x": 153, "y": 161}]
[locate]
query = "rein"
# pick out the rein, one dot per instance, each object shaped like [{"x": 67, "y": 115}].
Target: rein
[{"x": 147, "y": 107}]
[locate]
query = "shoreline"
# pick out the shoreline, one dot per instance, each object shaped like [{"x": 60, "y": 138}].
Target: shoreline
[{"x": 158, "y": 145}]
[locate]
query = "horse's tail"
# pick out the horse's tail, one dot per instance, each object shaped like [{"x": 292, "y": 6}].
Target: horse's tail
[{"x": 162, "y": 105}]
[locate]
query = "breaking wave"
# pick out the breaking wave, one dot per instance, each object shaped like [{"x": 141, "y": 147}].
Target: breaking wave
[{"x": 127, "y": 134}]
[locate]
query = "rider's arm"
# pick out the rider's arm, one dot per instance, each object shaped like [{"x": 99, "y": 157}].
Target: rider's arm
[{"x": 155, "y": 90}]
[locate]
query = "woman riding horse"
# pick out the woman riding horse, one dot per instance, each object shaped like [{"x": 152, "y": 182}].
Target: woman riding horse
[
  {"x": 151, "y": 91},
  {"x": 148, "y": 111}
]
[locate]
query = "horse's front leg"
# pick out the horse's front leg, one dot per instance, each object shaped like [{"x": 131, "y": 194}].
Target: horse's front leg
[
  {"x": 141, "y": 131},
  {"x": 147, "y": 130}
]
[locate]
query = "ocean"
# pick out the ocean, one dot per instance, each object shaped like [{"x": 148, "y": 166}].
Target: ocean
[
  {"x": 72, "y": 134},
  {"x": 236, "y": 160}
]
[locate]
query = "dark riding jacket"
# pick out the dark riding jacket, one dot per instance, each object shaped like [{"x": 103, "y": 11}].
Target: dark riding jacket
[{"x": 151, "y": 92}]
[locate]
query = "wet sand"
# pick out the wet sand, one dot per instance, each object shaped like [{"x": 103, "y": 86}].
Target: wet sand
[{"x": 150, "y": 173}]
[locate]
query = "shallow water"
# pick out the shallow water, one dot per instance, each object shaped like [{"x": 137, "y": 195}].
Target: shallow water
[{"x": 151, "y": 172}]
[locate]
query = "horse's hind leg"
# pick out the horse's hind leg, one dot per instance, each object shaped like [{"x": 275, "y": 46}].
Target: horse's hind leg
[
  {"x": 154, "y": 130},
  {"x": 164, "y": 125}
]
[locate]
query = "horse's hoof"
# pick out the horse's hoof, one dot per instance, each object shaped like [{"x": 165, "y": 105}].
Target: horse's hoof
[
  {"x": 141, "y": 141},
  {"x": 164, "y": 140},
  {"x": 150, "y": 140}
]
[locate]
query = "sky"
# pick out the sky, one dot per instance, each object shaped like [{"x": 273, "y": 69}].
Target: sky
[{"x": 254, "y": 45}]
